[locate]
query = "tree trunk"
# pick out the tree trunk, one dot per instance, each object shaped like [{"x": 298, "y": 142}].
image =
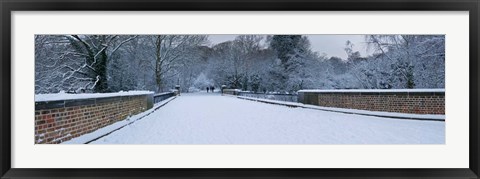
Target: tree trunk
[
  {"x": 101, "y": 68},
  {"x": 158, "y": 75}
]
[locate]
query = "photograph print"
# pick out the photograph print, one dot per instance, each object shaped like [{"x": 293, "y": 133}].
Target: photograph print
[{"x": 314, "y": 89}]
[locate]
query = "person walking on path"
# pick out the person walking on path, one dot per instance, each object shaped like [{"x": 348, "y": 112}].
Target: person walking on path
[{"x": 208, "y": 88}]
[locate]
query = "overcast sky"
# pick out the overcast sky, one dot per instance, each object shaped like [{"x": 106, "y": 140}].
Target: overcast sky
[{"x": 331, "y": 45}]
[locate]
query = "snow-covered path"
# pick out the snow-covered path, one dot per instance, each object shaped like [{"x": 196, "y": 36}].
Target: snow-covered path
[{"x": 203, "y": 118}]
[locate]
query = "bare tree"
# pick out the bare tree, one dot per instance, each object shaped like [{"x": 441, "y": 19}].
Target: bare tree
[
  {"x": 96, "y": 50},
  {"x": 169, "y": 49},
  {"x": 407, "y": 58}
]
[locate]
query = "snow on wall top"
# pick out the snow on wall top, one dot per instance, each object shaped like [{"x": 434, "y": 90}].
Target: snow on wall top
[
  {"x": 375, "y": 91},
  {"x": 68, "y": 96},
  {"x": 232, "y": 90},
  {"x": 159, "y": 94}
]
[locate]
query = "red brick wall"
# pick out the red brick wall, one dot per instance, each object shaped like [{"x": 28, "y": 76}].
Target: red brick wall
[
  {"x": 231, "y": 91},
  {"x": 59, "y": 121},
  {"x": 401, "y": 102}
]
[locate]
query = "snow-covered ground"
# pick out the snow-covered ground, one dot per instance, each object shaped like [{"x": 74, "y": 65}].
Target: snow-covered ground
[{"x": 206, "y": 118}]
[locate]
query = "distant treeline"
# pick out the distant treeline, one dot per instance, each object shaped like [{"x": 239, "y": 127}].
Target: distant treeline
[{"x": 279, "y": 63}]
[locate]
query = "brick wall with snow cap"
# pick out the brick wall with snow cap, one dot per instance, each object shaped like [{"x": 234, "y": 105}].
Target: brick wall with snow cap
[
  {"x": 413, "y": 101},
  {"x": 61, "y": 117}
]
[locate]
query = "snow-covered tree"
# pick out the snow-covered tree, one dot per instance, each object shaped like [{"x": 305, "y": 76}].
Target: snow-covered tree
[
  {"x": 411, "y": 59},
  {"x": 259, "y": 63},
  {"x": 78, "y": 62},
  {"x": 291, "y": 51},
  {"x": 168, "y": 50}
]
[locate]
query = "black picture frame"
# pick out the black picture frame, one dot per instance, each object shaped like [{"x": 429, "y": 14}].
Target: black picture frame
[{"x": 7, "y": 6}]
